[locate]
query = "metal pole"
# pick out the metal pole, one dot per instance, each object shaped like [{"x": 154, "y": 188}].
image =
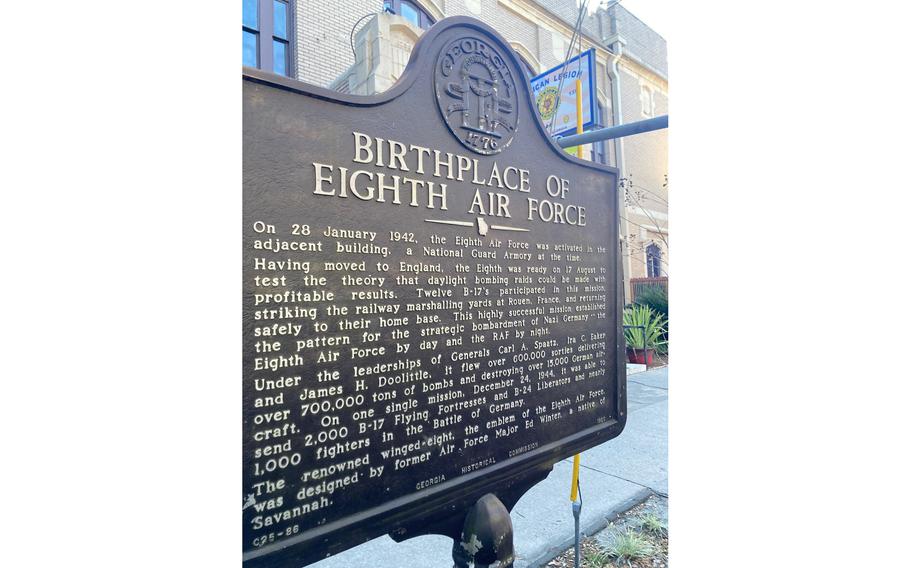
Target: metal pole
[
  {"x": 576, "y": 512},
  {"x": 656, "y": 123},
  {"x": 576, "y": 460},
  {"x": 644, "y": 340}
]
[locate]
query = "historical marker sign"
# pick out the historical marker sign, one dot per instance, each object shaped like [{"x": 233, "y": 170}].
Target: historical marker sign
[{"x": 430, "y": 300}]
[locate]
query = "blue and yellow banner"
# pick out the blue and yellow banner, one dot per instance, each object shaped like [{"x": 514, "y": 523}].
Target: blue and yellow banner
[{"x": 557, "y": 109}]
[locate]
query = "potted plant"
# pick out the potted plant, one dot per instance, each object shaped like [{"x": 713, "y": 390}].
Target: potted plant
[{"x": 644, "y": 329}]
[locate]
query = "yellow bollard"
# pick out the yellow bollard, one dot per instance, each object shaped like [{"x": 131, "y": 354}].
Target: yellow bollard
[
  {"x": 579, "y": 122},
  {"x": 576, "y": 462},
  {"x": 579, "y": 128}
]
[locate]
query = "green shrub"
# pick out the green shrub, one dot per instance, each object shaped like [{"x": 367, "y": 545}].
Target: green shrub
[
  {"x": 597, "y": 559},
  {"x": 654, "y": 327},
  {"x": 655, "y": 298}
]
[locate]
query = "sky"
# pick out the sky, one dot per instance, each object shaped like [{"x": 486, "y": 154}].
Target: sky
[{"x": 651, "y": 12}]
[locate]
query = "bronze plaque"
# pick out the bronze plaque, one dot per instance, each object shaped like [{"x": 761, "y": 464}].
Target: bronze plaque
[{"x": 431, "y": 300}]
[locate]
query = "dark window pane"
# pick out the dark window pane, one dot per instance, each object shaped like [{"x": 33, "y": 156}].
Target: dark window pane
[
  {"x": 281, "y": 19},
  {"x": 250, "y": 49},
  {"x": 250, "y": 13},
  {"x": 654, "y": 254},
  {"x": 410, "y": 14},
  {"x": 280, "y": 57}
]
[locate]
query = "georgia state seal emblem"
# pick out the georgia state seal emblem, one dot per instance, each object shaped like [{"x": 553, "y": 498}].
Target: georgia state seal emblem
[{"x": 476, "y": 95}]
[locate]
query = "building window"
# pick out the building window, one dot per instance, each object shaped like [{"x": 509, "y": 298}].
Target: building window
[
  {"x": 267, "y": 35},
  {"x": 647, "y": 101},
  {"x": 250, "y": 33},
  {"x": 410, "y": 11},
  {"x": 653, "y": 253},
  {"x": 280, "y": 35}
]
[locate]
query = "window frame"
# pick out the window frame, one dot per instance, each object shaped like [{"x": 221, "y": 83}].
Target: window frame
[
  {"x": 265, "y": 60},
  {"x": 423, "y": 15},
  {"x": 255, "y": 32},
  {"x": 647, "y": 101},
  {"x": 654, "y": 261},
  {"x": 284, "y": 40}
]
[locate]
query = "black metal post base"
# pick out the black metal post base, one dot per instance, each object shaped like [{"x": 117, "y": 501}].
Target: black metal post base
[{"x": 486, "y": 538}]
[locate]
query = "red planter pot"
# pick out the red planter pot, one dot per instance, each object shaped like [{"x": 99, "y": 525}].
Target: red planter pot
[{"x": 639, "y": 356}]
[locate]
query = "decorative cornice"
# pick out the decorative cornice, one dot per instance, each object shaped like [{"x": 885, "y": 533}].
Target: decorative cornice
[{"x": 523, "y": 50}]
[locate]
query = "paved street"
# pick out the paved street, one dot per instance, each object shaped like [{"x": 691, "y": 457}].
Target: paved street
[{"x": 614, "y": 477}]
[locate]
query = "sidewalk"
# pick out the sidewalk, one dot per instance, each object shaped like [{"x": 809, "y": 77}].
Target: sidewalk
[{"x": 614, "y": 477}]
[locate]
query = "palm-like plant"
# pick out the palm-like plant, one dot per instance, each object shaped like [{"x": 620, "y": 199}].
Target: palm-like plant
[
  {"x": 655, "y": 298},
  {"x": 638, "y": 316}
]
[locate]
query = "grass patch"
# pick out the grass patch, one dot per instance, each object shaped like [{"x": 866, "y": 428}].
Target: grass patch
[
  {"x": 651, "y": 523},
  {"x": 597, "y": 559},
  {"x": 637, "y": 538},
  {"x": 630, "y": 545}
]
